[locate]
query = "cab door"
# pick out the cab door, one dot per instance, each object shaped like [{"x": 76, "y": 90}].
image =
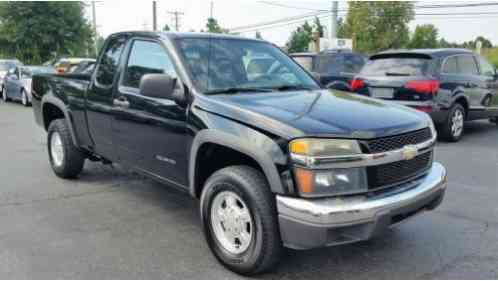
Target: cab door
[
  {"x": 149, "y": 133},
  {"x": 99, "y": 97}
]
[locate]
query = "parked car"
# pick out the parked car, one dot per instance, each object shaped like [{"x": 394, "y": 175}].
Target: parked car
[
  {"x": 333, "y": 68},
  {"x": 5, "y": 66},
  {"x": 84, "y": 67},
  {"x": 451, "y": 85},
  {"x": 67, "y": 65},
  {"x": 274, "y": 159},
  {"x": 17, "y": 82}
]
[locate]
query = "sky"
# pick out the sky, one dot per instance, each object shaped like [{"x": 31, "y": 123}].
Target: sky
[{"x": 114, "y": 16}]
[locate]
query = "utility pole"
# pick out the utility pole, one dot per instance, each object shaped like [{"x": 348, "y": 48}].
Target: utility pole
[
  {"x": 176, "y": 17},
  {"x": 96, "y": 38},
  {"x": 333, "y": 21},
  {"x": 154, "y": 16}
]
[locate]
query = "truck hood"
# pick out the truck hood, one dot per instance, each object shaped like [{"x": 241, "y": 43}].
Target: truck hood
[{"x": 320, "y": 113}]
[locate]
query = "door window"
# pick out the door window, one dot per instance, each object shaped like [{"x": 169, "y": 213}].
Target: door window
[
  {"x": 109, "y": 62},
  {"x": 486, "y": 68},
  {"x": 450, "y": 66},
  {"x": 146, "y": 57},
  {"x": 467, "y": 65}
]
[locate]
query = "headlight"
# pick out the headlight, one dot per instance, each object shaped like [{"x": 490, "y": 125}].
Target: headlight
[
  {"x": 433, "y": 128},
  {"x": 305, "y": 150},
  {"x": 326, "y": 182},
  {"x": 320, "y": 183}
]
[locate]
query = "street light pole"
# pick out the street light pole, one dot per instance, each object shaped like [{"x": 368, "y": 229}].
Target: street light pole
[
  {"x": 96, "y": 36},
  {"x": 333, "y": 21},
  {"x": 154, "y": 16}
]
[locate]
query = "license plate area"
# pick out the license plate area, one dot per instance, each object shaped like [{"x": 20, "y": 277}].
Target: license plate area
[{"x": 382, "y": 93}]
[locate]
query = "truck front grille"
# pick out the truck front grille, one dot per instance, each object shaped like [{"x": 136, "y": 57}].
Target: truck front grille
[
  {"x": 399, "y": 141},
  {"x": 392, "y": 173}
]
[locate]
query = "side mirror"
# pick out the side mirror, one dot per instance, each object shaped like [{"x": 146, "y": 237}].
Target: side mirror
[
  {"x": 160, "y": 86},
  {"x": 339, "y": 85}
]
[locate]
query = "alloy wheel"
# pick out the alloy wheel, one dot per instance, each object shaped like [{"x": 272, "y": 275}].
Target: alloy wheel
[
  {"x": 457, "y": 123},
  {"x": 231, "y": 222},
  {"x": 56, "y": 149}
]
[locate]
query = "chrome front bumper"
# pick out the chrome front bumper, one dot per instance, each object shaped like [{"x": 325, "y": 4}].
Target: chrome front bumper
[{"x": 310, "y": 223}]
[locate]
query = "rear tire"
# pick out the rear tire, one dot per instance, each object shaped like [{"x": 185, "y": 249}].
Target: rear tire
[
  {"x": 243, "y": 233},
  {"x": 66, "y": 160},
  {"x": 453, "y": 128}
]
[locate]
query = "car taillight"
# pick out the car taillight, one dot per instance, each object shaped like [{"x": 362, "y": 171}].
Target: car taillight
[
  {"x": 423, "y": 86},
  {"x": 357, "y": 84}
]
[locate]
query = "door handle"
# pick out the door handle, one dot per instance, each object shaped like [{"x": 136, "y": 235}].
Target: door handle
[{"x": 121, "y": 102}]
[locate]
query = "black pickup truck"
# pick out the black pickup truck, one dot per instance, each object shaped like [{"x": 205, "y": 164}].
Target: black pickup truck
[{"x": 274, "y": 159}]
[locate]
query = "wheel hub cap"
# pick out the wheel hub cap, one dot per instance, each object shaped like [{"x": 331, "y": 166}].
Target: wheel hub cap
[
  {"x": 231, "y": 222},
  {"x": 56, "y": 149},
  {"x": 457, "y": 123}
]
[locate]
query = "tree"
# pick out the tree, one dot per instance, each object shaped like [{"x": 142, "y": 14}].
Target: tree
[
  {"x": 213, "y": 26},
  {"x": 300, "y": 38},
  {"x": 303, "y": 35},
  {"x": 258, "y": 35},
  {"x": 378, "y": 25},
  {"x": 486, "y": 43},
  {"x": 425, "y": 36},
  {"x": 166, "y": 28},
  {"x": 34, "y": 32}
]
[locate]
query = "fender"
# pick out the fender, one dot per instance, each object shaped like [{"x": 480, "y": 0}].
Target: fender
[
  {"x": 50, "y": 98},
  {"x": 247, "y": 141}
]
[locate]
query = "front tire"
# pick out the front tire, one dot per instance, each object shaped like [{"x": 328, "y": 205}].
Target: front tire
[
  {"x": 453, "y": 128},
  {"x": 239, "y": 220},
  {"x": 66, "y": 160},
  {"x": 4, "y": 95}
]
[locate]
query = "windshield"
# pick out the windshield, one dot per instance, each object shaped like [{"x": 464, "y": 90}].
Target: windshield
[
  {"x": 6, "y": 66},
  {"x": 336, "y": 64},
  {"x": 306, "y": 62},
  {"x": 221, "y": 64},
  {"x": 396, "y": 66}
]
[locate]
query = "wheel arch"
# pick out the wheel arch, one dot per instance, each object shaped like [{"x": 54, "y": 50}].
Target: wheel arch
[
  {"x": 53, "y": 108},
  {"x": 250, "y": 154}
]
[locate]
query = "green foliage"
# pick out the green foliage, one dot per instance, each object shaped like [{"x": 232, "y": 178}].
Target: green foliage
[
  {"x": 491, "y": 55},
  {"x": 166, "y": 28},
  {"x": 425, "y": 36},
  {"x": 213, "y": 26},
  {"x": 486, "y": 43},
  {"x": 258, "y": 35},
  {"x": 303, "y": 35},
  {"x": 378, "y": 25},
  {"x": 35, "y": 32},
  {"x": 300, "y": 38}
]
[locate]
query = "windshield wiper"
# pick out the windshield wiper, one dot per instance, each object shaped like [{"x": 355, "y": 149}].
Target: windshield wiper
[
  {"x": 293, "y": 88},
  {"x": 234, "y": 90},
  {"x": 397, "y": 74}
]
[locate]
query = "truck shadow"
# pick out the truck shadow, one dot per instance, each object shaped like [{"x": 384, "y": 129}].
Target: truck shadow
[{"x": 181, "y": 213}]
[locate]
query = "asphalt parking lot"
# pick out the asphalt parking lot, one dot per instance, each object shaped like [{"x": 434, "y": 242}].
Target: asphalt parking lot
[{"x": 111, "y": 223}]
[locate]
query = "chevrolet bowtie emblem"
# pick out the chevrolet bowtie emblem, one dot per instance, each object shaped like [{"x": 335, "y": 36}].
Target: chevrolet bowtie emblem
[{"x": 409, "y": 152}]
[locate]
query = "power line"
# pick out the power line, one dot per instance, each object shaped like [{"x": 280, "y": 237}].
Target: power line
[
  {"x": 176, "y": 18},
  {"x": 302, "y": 18}
]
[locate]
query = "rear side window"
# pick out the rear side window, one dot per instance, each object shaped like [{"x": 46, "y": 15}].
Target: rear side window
[
  {"x": 146, "y": 57},
  {"x": 486, "y": 68},
  {"x": 340, "y": 63},
  {"x": 450, "y": 66},
  {"x": 396, "y": 66},
  {"x": 467, "y": 65},
  {"x": 109, "y": 62}
]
